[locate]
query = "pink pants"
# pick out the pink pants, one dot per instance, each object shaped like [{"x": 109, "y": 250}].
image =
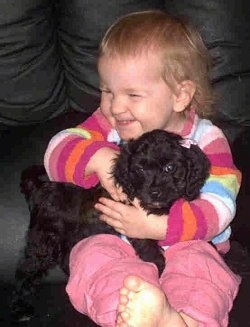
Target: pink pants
[{"x": 196, "y": 280}]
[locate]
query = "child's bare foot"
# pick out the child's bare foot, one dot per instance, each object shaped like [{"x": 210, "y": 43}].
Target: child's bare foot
[{"x": 145, "y": 305}]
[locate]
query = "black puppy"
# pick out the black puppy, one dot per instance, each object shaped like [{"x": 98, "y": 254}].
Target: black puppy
[{"x": 157, "y": 168}]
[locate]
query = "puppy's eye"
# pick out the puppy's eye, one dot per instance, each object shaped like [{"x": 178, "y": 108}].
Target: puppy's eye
[
  {"x": 169, "y": 167},
  {"x": 138, "y": 170}
]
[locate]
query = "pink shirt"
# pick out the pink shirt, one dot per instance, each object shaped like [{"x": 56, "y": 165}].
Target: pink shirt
[{"x": 204, "y": 218}]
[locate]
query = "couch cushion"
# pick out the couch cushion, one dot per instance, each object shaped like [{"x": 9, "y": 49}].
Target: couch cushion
[
  {"x": 32, "y": 87},
  {"x": 82, "y": 24},
  {"x": 223, "y": 25}
]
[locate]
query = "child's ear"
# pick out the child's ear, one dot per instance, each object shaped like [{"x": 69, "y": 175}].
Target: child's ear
[{"x": 184, "y": 95}]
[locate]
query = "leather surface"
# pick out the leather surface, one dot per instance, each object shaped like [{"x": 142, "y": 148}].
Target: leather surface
[
  {"x": 82, "y": 24},
  {"x": 31, "y": 78},
  {"x": 224, "y": 26}
]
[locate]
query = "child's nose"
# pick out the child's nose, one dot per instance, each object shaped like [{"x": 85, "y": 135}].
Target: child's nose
[{"x": 117, "y": 106}]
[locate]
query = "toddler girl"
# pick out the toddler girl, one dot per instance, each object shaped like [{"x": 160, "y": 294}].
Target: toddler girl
[{"x": 153, "y": 75}]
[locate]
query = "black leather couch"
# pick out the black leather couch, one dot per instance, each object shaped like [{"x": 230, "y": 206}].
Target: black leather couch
[{"x": 49, "y": 82}]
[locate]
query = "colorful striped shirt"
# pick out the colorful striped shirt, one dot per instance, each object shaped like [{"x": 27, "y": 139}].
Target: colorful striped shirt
[{"x": 207, "y": 217}]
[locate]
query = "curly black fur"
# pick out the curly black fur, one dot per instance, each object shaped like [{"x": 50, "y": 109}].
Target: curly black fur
[{"x": 156, "y": 168}]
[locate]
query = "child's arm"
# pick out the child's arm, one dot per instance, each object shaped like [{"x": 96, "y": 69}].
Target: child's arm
[
  {"x": 212, "y": 213},
  {"x": 69, "y": 152},
  {"x": 203, "y": 218}
]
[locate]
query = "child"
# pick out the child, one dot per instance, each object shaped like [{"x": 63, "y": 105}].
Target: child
[{"x": 153, "y": 75}]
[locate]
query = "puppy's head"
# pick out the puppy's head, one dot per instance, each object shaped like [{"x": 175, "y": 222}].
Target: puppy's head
[
  {"x": 50, "y": 203},
  {"x": 31, "y": 179},
  {"x": 158, "y": 169}
]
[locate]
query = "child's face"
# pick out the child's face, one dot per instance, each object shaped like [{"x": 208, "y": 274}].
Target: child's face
[{"x": 135, "y": 98}]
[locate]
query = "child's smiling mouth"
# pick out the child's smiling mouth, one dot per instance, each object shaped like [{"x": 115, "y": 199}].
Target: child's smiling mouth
[{"x": 124, "y": 122}]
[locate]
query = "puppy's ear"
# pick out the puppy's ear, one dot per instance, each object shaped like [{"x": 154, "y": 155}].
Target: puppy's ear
[
  {"x": 198, "y": 167},
  {"x": 31, "y": 178},
  {"x": 121, "y": 169}
]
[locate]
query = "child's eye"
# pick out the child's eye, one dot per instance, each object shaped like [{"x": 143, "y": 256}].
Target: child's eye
[
  {"x": 133, "y": 95},
  {"x": 139, "y": 170},
  {"x": 105, "y": 91}
]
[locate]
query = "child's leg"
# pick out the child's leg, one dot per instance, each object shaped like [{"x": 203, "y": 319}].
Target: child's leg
[
  {"x": 98, "y": 267},
  {"x": 198, "y": 283}
]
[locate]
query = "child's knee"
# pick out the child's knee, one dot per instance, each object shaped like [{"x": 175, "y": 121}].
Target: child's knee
[
  {"x": 96, "y": 250},
  {"x": 98, "y": 267}
]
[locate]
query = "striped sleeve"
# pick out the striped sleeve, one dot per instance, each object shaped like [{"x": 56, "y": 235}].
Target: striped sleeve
[
  {"x": 210, "y": 214},
  {"x": 69, "y": 151}
]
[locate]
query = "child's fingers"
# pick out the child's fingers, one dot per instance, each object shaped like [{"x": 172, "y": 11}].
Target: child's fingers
[
  {"x": 136, "y": 203},
  {"x": 116, "y": 224},
  {"x": 116, "y": 193},
  {"x": 111, "y": 189},
  {"x": 121, "y": 195},
  {"x": 110, "y": 203}
]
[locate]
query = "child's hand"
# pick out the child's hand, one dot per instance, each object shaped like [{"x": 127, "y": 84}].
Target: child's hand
[
  {"x": 132, "y": 221},
  {"x": 101, "y": 164}
]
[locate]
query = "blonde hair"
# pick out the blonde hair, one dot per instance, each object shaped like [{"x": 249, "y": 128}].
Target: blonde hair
[{"x": 184, "y": 55}]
